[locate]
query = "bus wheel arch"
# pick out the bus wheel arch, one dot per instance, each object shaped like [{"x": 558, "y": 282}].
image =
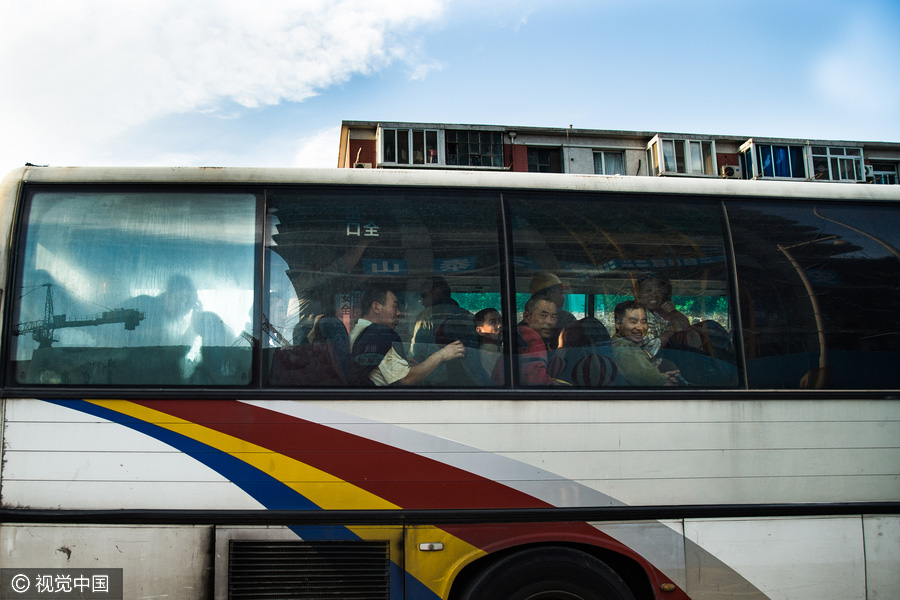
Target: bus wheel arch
[{"x": 552, "y": 572}]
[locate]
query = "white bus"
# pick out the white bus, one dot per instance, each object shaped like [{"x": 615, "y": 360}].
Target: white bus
[{"x": 373, "y": 384}]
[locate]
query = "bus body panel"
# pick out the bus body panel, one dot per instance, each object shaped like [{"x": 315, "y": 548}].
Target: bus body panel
[{"x": 592, "y": 454}]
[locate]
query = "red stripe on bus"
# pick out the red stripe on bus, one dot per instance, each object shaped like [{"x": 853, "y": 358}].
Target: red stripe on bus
[{"x": 404, "y": 478}]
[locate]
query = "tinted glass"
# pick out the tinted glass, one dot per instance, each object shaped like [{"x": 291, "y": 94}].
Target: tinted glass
[
  {"x": 435, "y": 252},
  {"x": 577, "y": 259},
  {"x": 820, "y": 286},
  {"x": 135, "y": 288}
]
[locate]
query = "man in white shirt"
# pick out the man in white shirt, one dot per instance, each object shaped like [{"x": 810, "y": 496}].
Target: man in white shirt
[{"x": 376, "y": 350}]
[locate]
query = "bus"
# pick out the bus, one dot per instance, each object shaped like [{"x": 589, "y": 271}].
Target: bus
[{"x": 388, "y": 384}]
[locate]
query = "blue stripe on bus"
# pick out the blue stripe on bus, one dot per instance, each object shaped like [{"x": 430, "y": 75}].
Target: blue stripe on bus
[{"x": 267, "y": 490}]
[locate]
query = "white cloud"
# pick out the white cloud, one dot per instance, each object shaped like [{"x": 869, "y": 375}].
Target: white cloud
[
  {"x": 319, "y": 149},
  {"x": 78, "y": 73}
]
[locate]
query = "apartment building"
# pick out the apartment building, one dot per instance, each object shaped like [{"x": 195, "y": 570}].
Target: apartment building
[{"x": 370, "y": 144}]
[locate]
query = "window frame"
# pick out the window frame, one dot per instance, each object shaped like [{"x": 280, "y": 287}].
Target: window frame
[
  {"x": 495, "y": 144},
  {"x": 881, "y": 175},
  {"x": 664, "y": 151},
  {"x": 751, "y": 159},
  {"x": 555, "y": 151},
  {"x": 603, "y": 156},
  {"x": 17, "y": 266},
  {"x": 408, "y": 136},
  {"x": 253, "y": 390},
  {"x": 836, "y": 158}
]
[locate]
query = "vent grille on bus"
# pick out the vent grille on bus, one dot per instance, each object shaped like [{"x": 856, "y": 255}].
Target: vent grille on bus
[{"x": 259, "y": 569}]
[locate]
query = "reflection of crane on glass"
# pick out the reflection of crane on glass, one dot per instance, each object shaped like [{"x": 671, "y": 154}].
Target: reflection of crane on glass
[
  {"x": 42, "y": 331},
  {"x": 819, "y": 376}
]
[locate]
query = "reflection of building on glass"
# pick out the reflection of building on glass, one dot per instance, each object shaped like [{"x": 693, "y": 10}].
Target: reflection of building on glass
[{"x": 42, "y": 331}]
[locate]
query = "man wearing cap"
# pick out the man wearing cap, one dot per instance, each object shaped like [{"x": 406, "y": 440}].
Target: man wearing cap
[{"x": 548, "y": 286}]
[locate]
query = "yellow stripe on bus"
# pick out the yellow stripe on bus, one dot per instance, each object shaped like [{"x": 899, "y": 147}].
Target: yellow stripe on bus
[
  {"x": 434, "y": 569},
  {"x": 321, "y": 488}
]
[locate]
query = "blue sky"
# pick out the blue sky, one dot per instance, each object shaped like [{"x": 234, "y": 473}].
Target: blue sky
[{"x": 229, "y": 83}]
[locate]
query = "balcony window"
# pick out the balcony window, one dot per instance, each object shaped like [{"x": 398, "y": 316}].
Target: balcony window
[
  {"x": 884, "y": 173},
  {"x": 609, "y": 163},
  {"x": 681, "y": 156},
  {"x": 832, "y": 163},
  {"x": 544, "y": 160},
  {"x": 774, "y": 160},
  {"x": 474, "y": 148},
  {"x": 409, "y": 146}
]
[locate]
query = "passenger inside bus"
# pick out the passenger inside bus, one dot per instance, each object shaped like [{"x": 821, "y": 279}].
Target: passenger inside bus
[
  {"x": 443, "y": 321},
  {"x": 541, "y": 315},
  {"x": 549, "y": 286},
  {"x": 321, "y": 358},
  {"x": 666, "y": 326},
  {"x": 715, "y": 340},
  {"x": 583, "y": 358},
  {"x": 488, "y": 328},
  {"x": 634, "y": 363},
  {"x": 537, "y": 328},
  {"x": 376, "y": 350}
]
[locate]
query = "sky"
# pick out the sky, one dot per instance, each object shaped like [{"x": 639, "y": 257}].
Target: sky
[{"x": 237, "y": 83}]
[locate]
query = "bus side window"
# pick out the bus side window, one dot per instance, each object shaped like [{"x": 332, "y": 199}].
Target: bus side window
[
  {"x": 820, "y": 284},
  {"x": 132, "y": 288},
  {"x": 662, "y": 264},
  {"x": 431, "y": 256}
]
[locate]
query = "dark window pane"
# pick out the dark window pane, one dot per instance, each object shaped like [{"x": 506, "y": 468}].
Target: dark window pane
[
  {"x": 390, "y": 145},
  {"x": 798, "y": 165},
  {"x": 584, "y": 256},
  {"x": 431, "y": 147},
  {"x": 782, "y": 161},
  {"x": 765, "y": 161},
  {"x": 820, "y": 166},
  {"x": 806, "y": 269},
  {"x": 418, "y": 139},
  {"x": 327, "y": 248},
  {"x": 403, "y": 146}
]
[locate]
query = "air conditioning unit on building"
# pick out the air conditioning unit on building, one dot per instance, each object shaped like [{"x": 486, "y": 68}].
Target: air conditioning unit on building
[
  {"x": 730, "y": 171},
  {"x": 870, "y": 171},
  {"x": 359, "y": 165}
]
